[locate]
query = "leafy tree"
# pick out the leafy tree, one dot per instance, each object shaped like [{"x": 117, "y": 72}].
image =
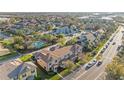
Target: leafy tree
[
  {"x": 18, "y": 40},
  {"x": 49, "y": 27},
  {"x": 60, "y": 36},
  {"x": 99, "y": 57},
  {"x": 70, "y": 65},
  {"x": 18, "y": 46},
  {"x": 115, "y": 71},
  {"x": 72, "y": 41},
  {"x": 62, "y": 42}
]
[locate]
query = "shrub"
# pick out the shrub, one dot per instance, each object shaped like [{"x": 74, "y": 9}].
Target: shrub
[{"x": 26, "y": 57}]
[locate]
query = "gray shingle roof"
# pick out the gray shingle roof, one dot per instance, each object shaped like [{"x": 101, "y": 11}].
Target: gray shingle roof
[{"x": 12, "y": 69}]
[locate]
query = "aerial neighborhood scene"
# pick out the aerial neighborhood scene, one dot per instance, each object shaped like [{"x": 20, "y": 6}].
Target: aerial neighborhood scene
[{"x": 62, "y": 46}]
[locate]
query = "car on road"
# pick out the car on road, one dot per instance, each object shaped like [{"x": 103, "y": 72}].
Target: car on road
[
  {"x": 89, "y": 65},
  {"x": 113, "y": 43},
  {"x": 102, "y": 51},
  {"x": 119, "y": 47},
  {"x": 108, "y": 43},
  {"x": 111, "y": 40},
  {"x": 94, "y": 62},
  {"x": 99, "y": 63},
  {"x": 106, "y": 46}
]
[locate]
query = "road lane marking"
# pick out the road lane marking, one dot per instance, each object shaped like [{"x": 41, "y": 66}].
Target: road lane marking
[
  {"x": 81, "y": 75},
  {"x": 61, "y": 76},
  {"x": 98, "y": 75}
]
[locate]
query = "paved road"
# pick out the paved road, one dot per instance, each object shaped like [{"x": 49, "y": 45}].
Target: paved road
[{"x": 98, "y": 72}]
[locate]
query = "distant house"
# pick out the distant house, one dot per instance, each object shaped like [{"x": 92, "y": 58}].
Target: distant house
[
  {"x": 88, "y": 38},
  {"x": 65, "y": 30},
  {"x": 16, "y": 70},
  {"x": 53, "y": 57},
  {"x": 100, "y": 34},
  {"x": 58, "y": 23}
]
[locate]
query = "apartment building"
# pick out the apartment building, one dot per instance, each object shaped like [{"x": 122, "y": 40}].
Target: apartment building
[{"x": 53, "y": 57}]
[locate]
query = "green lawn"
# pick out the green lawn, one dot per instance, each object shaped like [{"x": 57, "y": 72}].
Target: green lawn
[
  {"x": 62, "y": 73},
  {"x": 55, "y": 77},
  {"x": 82, "y": 62},
  {"x": 26, "y": 57},
  {"x": 42, "y": 75},
  {"x": 8, "y": 56}
]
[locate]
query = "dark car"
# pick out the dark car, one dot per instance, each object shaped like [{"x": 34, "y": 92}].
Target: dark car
[
  {"x": 106, "y": 46},
  {"x": 99, "y": 63},
  {"x": 111, "y": 40},
  {"x": 113, "y": 43},
  {"x": 108, "y": 43},
  {"x": 102, "y": 51}
]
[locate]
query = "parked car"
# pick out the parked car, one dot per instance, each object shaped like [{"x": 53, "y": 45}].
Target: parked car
[
  {"x": 89, "y": 65},
  {"x": 108, "y": 43},
  {"x": 119, "y": 47},
  {"x": 94, "y": 62},
  {"x": 106, "y": 46},
  {"x": 111, "y": 40},
  {"x": 99, "y": 63},
  {"x": 113, "y": 43},
  {"x": 103, "y": 50}
]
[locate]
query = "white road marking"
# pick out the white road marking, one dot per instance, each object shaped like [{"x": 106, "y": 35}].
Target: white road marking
[
  {"x": 81, "y": 75},
  {"x": 98, "y": 75},
  {"x": 60, "y": 76}
]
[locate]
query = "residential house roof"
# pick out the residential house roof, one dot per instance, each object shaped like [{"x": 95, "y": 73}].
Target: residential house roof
[
  {"x": 90, "y": 36},
  {"x": 22, "y": 68},
  {"x": 14, "y": 68},
  {"x": 7, "y": 68},
  {"x": 45, "y": 55}
]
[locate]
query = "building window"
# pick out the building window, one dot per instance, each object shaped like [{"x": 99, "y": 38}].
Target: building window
[
  {"x": 49, "y": 64},
  {"x": 55, "y": 60},
  {"x": 24, "y": 75}
]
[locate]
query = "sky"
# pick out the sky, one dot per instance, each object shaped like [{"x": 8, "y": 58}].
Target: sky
[{"x": 61, "y": 5}]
